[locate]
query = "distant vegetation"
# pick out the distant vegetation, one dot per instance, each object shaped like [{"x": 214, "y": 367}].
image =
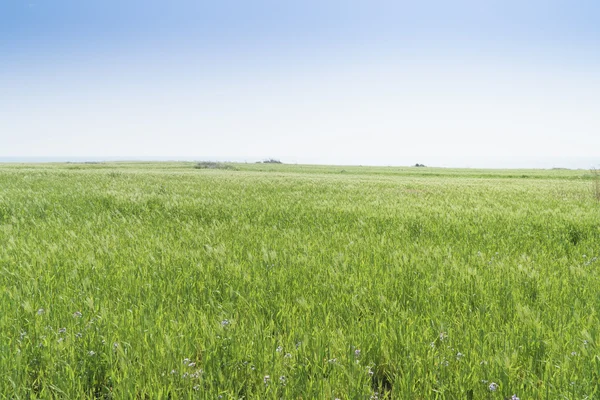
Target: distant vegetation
[
  {"x": 272, "y": 161},
  {"x": 419, "y": 165},
  {"x": 213, "y": 165}
]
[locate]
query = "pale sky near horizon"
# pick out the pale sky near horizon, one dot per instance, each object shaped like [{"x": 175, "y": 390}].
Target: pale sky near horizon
[{"x": 464, "y": 83}]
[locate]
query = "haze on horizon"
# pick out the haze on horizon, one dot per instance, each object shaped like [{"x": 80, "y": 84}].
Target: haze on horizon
[{"x": 466, "y": 83}]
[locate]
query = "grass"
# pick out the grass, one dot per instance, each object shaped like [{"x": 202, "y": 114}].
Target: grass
[{"x": 159, "y": 280}]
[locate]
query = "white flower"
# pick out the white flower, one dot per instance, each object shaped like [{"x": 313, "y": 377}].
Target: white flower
[
  {"x": 91, "y": 353},
  {"x": 514, "y": 397},
  {"x": 279, "y": 349},
  {"x": 459, "y": 355},
  {"x": 357, "y": 353},
  {"x": 62, "y": 330},
  {"x": 282, "y": 380},
  {"x": 287, "y": 355},
  {"x": 332, "y": 360},
  {"x": 77, "y": 314},
  {"x": 493, "y": 387},
  {"x": 40, "y": 311},
  {"x": 266, "y": 379},
  {"x": 225, "y": 323}
]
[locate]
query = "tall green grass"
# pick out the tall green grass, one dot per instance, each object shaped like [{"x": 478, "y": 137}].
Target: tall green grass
[{"x": 277, "y": 281}]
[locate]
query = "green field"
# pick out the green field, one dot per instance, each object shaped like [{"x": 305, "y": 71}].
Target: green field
[{"x": 265, "y": 281}]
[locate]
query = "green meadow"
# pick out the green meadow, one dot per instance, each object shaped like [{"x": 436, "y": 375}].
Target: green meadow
[{"x": 268, "y": 281}]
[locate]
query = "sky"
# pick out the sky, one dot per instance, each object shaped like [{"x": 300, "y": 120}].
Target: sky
[{"x": 486, "y": 83}]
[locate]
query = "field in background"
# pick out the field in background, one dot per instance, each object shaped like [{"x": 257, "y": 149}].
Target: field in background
[{"x": 159, "y": 280}]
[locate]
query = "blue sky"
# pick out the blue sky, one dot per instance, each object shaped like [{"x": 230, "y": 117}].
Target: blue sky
[{"x": 462, "y": 83}]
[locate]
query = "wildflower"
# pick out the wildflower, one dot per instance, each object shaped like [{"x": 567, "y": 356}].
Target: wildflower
[
  {"x": 298, "y": 344},
  {"x": 91, "y": 353},
  {"x": 459, "y": 355},
  {"x": 287, "y": 355},
  {"x": 282, "y": 380},
  {"x": 60, "y": 340},
  {"x": 192, "y": 364},
  {"x": 77, "y": 314},
  {"x": 197, "y": 374},
  {"x": 225, "y": 323},
  {"x": 432, "y": 345},
  {"x": 62, "y": 330},
  {"x": 196, "y": 387},
  {"x": 369, "y": 371},
  {"x": 573, "y": 353},
  {"x": 357, "y": 353},
  {"x": 493, "y": 387},
  {"x": 443, "y": 335},
  {"x": 173, "y": 371},
  {"x": 332, "y": 360},
  {"x": 445, "y": 363},
  {"x": 78, "y": 335},
  {"x": 115, "y": 345},
  {"x": 514, "y": 397},
  {"x": 185, "y": 375},
  {"x": 23, "y": 334},
  {"x": 186, "y": 361},
  {"x": 40, "y": 311},
  {"x": 585, "y": 342},
  {"x": 266, "y": 379},
  {"x": 279, "y": 349}
]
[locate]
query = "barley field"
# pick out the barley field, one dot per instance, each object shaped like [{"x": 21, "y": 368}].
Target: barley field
[{"x": 268, "y": 281}]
